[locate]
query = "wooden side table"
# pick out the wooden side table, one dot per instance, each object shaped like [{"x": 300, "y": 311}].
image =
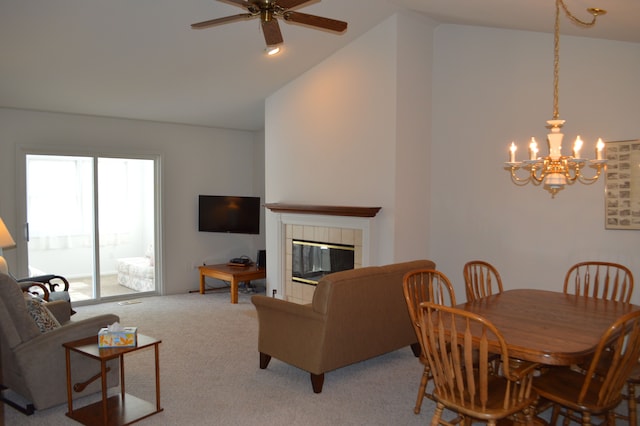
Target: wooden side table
[
  {"x": 121, "y": 409},
  {"x": 232, "y": 274}
]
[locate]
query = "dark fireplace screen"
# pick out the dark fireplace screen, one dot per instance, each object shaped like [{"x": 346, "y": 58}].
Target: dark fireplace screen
[{"x": 313, "y": 260}]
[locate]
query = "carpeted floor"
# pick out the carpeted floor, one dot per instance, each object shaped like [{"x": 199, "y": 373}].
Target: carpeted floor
[{"x": 210, "y": 376}]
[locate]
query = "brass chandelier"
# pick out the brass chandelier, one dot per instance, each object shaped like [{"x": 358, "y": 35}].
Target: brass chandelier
[{"x": 556, "y": 170}]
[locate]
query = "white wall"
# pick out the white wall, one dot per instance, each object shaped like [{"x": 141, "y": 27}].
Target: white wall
[
  {"x": 491, "y": 87},
  {"x": 352, "y": 122},
  {"x": 412, "y": 202},
  {"x": 350, "y": 119},
  {"x": 354, "y": 131},
  {"x": 195, "y": 160}
]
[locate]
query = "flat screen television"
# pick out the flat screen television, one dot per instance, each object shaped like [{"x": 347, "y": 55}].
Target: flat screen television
[{"x": 235, "y": 215}]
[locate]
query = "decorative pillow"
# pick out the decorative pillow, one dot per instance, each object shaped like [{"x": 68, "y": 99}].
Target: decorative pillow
[{"x": 42, "y": 316}]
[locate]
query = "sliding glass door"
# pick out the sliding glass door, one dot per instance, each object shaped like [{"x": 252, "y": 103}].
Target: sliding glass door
[{"x": 93, "y": 220}]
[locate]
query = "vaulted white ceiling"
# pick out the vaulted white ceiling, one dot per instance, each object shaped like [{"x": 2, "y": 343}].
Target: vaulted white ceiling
[{"x": 140, "y": 59}]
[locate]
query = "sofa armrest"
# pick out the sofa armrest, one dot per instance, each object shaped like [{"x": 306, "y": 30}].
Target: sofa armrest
[
  {"x": 289, "y": 308},
  {"x": 290, "y": 332},
  {"x": 42, "y": 346},
  {"x": 61, "y": 310},
  {"x": 42, "y": 361}
]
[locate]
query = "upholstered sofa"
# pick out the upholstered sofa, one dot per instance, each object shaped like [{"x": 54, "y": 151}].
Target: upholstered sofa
[
  {"x": 354, "y": 315},
  {"x": 136, "y": 273},
  {"x": 33, "y": 358}
]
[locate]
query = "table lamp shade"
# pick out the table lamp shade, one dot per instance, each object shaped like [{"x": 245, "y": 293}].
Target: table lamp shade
[{"x": 6, "y": 240}]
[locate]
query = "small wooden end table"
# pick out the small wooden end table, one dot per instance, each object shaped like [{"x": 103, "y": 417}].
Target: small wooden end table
[
  {"x": 232, "y": 274},
  {"x": 121, "y": 409}
]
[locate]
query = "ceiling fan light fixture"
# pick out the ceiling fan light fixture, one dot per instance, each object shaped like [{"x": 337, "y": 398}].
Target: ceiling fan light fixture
[{"x": 272, "y": 50}]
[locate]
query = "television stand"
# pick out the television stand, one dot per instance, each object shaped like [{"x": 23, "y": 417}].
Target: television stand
[{"x": 233, "y": 274}]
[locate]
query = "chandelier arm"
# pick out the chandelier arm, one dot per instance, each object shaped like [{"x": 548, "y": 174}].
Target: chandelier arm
[
  {"x": 518, "y": 180},
  {"x": 530, "y": 177},
  {"x": 538, "y": 178},
  {"x": 571, "y": 179},
  {"x": 590, "y": 180},
  {"x": 571, "y": 172},
  {"x": 574, "y": 173}
]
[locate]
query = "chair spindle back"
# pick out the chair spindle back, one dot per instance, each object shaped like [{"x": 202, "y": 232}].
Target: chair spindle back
[
  {"x": 481, "y": 280},
  {"x": 620, "y": 347},
  {"x": 602, "y": 280},
  {"x": 454, "y": 339},
  {"x": 426, "y": 285}
]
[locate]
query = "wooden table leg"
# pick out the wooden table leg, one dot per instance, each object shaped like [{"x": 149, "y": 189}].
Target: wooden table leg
[
  {"x": 201, "y": 283},
  {"x": 122, "y": 390},
  {"x": 234, "y": 290},
  {"x": 69, "y": 394},
  {"x": 103, "y": 374},
  {"x": 157, "y": 378}
]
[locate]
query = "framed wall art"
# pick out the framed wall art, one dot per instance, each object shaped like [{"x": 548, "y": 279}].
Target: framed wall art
[{"x": 622, "y": 185}]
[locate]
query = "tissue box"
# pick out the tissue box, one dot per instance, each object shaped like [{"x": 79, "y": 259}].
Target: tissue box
[{"x": 117, "y": 339}]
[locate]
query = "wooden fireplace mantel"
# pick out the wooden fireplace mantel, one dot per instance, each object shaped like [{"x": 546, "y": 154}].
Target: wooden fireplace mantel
[{"x": 325, "y": 210}]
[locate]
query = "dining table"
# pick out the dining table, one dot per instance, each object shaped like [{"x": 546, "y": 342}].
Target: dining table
[{"x": 547, "y": 327}]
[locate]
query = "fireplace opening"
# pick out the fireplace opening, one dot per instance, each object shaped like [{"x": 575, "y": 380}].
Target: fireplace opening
[{"x": 312, "y": 260}]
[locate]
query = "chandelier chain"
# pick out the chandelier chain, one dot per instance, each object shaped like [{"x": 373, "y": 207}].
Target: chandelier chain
[
  {"x": 556, "y": 58},
  {"x": 556, "y": 46}
]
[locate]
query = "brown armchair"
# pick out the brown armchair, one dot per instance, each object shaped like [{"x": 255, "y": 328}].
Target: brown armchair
[{"x": 33, "y": 362}]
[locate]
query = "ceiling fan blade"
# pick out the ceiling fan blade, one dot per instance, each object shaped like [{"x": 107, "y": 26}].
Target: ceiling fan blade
[
  {"x": 271, "y": 31},
  {"x": 218, "y": 21},
  {"x": 316, "y": 21},
  {"x": 289, "y": 4}
]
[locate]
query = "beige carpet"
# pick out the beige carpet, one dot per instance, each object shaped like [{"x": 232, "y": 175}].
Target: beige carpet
[{"x": 209, "y": 373}]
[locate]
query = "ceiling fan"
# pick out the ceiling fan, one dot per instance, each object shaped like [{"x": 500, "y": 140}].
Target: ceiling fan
[{"x": 268, "y": 11}]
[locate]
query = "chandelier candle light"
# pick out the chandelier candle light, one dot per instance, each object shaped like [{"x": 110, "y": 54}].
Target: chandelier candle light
[{"x": 557, "y": 170}]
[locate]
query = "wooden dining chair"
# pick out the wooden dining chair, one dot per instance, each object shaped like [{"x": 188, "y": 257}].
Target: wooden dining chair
[
  {"x": 453, "y": 338},
  {"x": 598, "y": 390},
  {"x": 603, "y": 280},
  {"x": 631, "y": 397},
  {"x": 420, "y": 286},
  {"x": 611, "y": 281},
  {"x": 481, "y": 279}
]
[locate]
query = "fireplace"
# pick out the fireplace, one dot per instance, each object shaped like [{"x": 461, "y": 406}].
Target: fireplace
[
  {"x": 312, "y": 260},
  {"x": 341, "y": 226}
]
